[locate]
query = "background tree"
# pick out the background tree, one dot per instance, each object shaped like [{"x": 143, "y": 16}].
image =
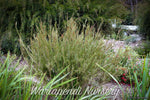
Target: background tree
[
  {"x": 143, "y": 18},
  {"x": 25, "y": 16}
]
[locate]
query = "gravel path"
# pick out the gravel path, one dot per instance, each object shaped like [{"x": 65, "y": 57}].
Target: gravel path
[{"x": 121, "y": 44}]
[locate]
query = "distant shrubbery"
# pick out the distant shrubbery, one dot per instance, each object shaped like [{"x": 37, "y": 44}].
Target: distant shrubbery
[
  {"x": 25, "y": 15},
  {"x": 144, "y": 49},
  {"x": 143, "y": 19}
]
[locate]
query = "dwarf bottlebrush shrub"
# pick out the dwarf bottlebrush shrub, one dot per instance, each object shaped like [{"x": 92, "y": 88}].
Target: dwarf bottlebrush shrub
[
  {"x": 141, "y": 88},
  {"x": 50, "y": 53}
]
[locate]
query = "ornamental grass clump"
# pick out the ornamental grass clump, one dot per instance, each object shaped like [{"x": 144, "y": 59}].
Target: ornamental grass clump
[{"x": 51, "y": 52}]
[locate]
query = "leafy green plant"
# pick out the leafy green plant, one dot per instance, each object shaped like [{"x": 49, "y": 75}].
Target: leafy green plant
[
  {"x": 143, "y": 87},
  {"x": 10, "y": 80},
  {"x": 144, "y": 49},
  {"x": 130, "y": 40},
  {"x": 14, "y": 84},
  {"x": 10, "y": 43}
]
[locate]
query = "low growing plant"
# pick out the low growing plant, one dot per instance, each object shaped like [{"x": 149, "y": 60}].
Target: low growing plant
[
  {"x": 144, "y": 49},
  {"x": 143, "y": 86},
  {"x": 14, "y": 84},
  {"x": 141, "y": 90}
]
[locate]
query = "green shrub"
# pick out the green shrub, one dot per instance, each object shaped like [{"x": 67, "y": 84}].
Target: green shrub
[
  {"x": 10, "y": 43},
  {"x": 144, "y": 49},
  {"x": 117, "y": 34}
]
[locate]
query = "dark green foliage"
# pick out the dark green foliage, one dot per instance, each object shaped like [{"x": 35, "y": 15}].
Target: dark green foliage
[
  {"x": 25, "y": 15},
  {"x": 10, "y": 43},
  {"x": 144, "y": 50},
  {"x": 143, "y": 18},
  {"x": 128, "y": 20},
  {"x": 7, "y": 45}
]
